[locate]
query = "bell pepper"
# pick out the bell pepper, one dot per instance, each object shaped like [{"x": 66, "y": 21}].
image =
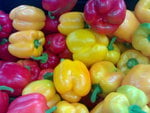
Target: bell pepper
[
  {"x": 32, "y": 66},
  {"x": 5, "y": 25},
  {"x": 5, "y": 55},
  {"x": 4, "y": 98},
  {"x": 46, "y": 74},
  {"x": 66, "y": 107},
  {"x": 104, "y": 16},
  {"x": 139, "y": 77},
  {"x": 26, "y": 17},
  {"x": 72, "y": 80},
  {"x": 15, "y": 76},
  {"x": 142, "y": 11},
  {"x": 24, "y": 44},
  {"x": 87, "y": 46},
  {"x": 47, "y": 60},
  {"x": 127, "y": 28},
  {"x": 141, "y": 38},
  {"x": 44, "y": 87},
  {"x": 30, "y": 103},
  {"x": 127, "y": 99},
  {"x": 113, "y": 53},
  {"x": 66, "y": 54},
  {"x": 70, "y": 21},
  {"x": 129, "y": 59},
  {"x": 105, "y": 78},
  {"x": 58, "y": 7}
]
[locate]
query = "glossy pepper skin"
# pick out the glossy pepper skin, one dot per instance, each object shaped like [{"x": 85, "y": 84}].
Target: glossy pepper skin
[
  {"x": 71, "y": 21},
  {"x": 72, "y": 80},
  {"x": 15, "y": 76},
  {"x": 141, "y": 38},
  {"x": 5, "y": 55},
  {"x": 104, "y": 16},
  {"x": 33, "y": 103},
  {"x": 24, "y": 44},
  {"x": 105, "y": 79},
  {"x": 44, "y": 87},
  {"x": 26, "y": 17},
  {"x": 66, "y": 107},
  {"x": 5, "y": 25},
  {"x": 87, "y": 46},
  {"x": 127, "y": 99},
  {"x": 129, "y": 59},
  {"x": 58, "y": 7}
]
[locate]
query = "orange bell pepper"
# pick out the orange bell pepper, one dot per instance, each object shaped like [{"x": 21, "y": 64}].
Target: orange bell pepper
[{"x": 72, "y": 80}]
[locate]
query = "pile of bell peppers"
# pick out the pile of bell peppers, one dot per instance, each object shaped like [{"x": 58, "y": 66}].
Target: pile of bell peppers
[{"x": 69, "y": 61}]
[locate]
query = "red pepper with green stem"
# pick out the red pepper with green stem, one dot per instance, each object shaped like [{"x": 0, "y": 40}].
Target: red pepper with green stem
[
  {"x": 46, "y": 74},
  {"x": 104, "y": 16}
]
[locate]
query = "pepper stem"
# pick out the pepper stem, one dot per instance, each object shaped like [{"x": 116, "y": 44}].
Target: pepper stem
[
  {"x": 135, "y": 109},
  {"x": 36, "y": 43},
  {"x": 7, "y": 88},
  {"x": 43, "y": 58},
  {"x": 96, "y": 90},
  {"x": 127, "y": 45},
  {"x": 1, "y": 27},
  {"x": 50, "y": 15},
  {"x": 110, "y": 45},
  {"x": 3, "y": 41},
  {"x": 131, "y": 63},
  {"x": 48, "y": 75},
  {"x": 51, "y": 110}
]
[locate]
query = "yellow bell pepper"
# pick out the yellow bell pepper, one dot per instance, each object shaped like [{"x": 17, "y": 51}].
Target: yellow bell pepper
[
  {"x": 26, "y": 17},
  {"x": 24, "y": 44},
  {"x": 44, "y": 87},
  {"x": 129, "y": 59},
  {"x": 113, "y": 53},
  {"x": 72, "y": 80},
  {"x": 105, "y": 79},
  {"x": 127, "y": 99},
  {"x": 70, "y": 21},
  {"x": 66, "y": 107},
  {"x": 87, "y": 46}
]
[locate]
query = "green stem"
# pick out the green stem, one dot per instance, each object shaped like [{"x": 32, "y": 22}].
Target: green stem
[
  {"x": 96, "y": 91},
  {"x": 28, "y": 67},
  {"x": 50, "y": 15},
  {"x": 131, "y": 63},
  {"x": 3, "y": 41},
  {"x": 36, "y": 43},
  {"x": 1, "y": 27},
  {"x": 86, "y": 25},
  {"x": 42, "y": 59},
  {"x": 6, "y": 88},
  {"x": 127, "y": 45},
  {"x": 51, "y": 110},
  {"x": 110, "y": 45},
  {"x": 48, "y": 75},
  {"x": 135, "y": 109}
]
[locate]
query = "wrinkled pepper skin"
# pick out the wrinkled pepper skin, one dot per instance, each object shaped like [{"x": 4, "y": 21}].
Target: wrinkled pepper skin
[
  {"x": 44, "y": 87},
  {"x": 24, "y": 44},
  {"x": 129, "y": 59},
  {"x": 141, "y": 39},
  {"x": 104, "y": 16},
  {"x": 15, "y": 76},
  {"x": 127, "y": 99},
  {"x": 105, "y": 75},
  {"x": 70, "y": 21},
  {"x": 72, "y": 80},
  {"x": 139, "y": 77},
  {"x": 30, "y": 103},
  {"x": 66, "y": 107},
  {"x": 26, "y": 17},
  {"x": 87, "y": 46},
  {"x": 58, "y": 7},
  {"x": 5, "y": 25}
]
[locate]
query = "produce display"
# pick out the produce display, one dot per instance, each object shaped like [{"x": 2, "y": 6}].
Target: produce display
[{"x": 57, "y": 59}]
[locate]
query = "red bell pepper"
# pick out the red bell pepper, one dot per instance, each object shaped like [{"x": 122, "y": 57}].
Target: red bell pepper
[
  {"x": 5, "y": 55},
  {"x": 47, "y": 60},
  {"x": 58, "y": 7},
  {"x": 32, "y": 66},
  {"x": 46, "y": 74},
  {"x": 105, "y": 16},
  {"x": 4, "y": 98},
  {"x": 66, "y": 54},
  {"x": 15, "y": 76},
  {"x": 30, "y": 103},
  {"x": 5, "y": 25}
]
